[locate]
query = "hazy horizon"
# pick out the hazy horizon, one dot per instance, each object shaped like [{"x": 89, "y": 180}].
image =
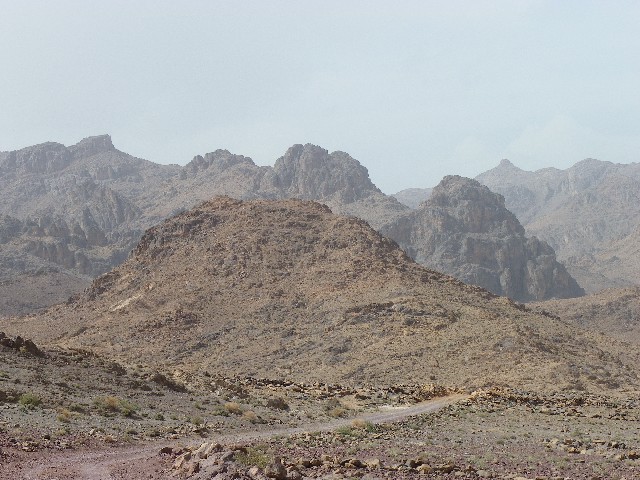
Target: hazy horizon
[{"x": 413, "y": 91}]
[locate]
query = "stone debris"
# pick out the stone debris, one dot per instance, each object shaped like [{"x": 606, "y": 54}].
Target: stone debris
[
  {"x": 215, "y": 461},
  {"x": 20, "y": 344}
]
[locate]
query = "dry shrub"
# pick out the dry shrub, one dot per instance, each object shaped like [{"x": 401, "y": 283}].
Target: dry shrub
[
  {"x": 337, "y": 412},
  {"x": 359, "y": 423},
  {"x": 233, "y": 407},
  {"x": 278, "y": 403},
  {"x": 64, "y": 415},
  {"x": 250, "y": 415}
]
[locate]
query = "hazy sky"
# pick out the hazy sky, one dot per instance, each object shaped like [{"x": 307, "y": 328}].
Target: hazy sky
[{"x": 414, "y": 90}]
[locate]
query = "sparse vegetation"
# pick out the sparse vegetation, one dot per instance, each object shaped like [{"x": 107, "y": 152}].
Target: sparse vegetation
[
  {"x": 337, "y": 412},
  {"x": 110, "y": 405},
  {"x": 234, "y": 408},
  {"x": 250, "y": 416},
  {"x": 361, "y": 424},
  {"x": 29, "y": 400},
  {"x": 257, "y": 455},
  {"x": 278, "y": 403},
  {"x": 64, "y": 415}
]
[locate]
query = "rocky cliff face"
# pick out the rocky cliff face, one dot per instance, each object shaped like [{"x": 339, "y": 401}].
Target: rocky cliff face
[
  {"x": 337, "y": 180},
  {"x": 581, "y": 212},
  {"x": 465, "y": 230},
  {"x": 310, "y": 172}
]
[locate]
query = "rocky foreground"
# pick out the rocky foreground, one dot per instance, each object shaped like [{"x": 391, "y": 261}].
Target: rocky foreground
[{"x": 496, "y": 433}]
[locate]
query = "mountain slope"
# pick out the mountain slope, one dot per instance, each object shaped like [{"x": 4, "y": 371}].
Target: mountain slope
[
  {"x": 585, "y": 213},
  {"x": 286, "y": 289},
  {"x": 413, "y": 197},
  {"x": 465, "y": 230},
  {"x": 615, "y": 312}
]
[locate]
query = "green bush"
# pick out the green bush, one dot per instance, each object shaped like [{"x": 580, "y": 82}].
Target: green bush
[
  {"x": 29, "y": 400},
  {"x": 257, "y": 456}
]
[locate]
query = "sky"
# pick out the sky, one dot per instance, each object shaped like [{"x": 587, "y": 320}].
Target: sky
[{"x": 414, "y": 90}]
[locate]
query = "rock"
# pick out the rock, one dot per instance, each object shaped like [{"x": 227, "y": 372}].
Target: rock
[
  {"x": 373, "y": 463},
  {"x": 276, "y": 470},
  {"x": 293, "y": 474},
  {"x": 200, "y": 451},
  {"x": 181, "y": 460},
  {"x": 226, "y": 455},
  {"x": 445, "y": 467},
  {"x": 31, "y": 348},
  {"x": 212, "y": 448},
  {"x": 354, "y": 463},
  {"x": 192, "y": 468}
]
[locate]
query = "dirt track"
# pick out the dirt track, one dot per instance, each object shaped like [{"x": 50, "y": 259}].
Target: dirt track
[{"x": 143, "y": 461}]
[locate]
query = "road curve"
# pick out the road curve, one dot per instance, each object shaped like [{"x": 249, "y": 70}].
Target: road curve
[{"x": 129, "y": 462}]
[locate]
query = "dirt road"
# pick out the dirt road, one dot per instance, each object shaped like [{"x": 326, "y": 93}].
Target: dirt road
[{"x": 144, "y": 462}]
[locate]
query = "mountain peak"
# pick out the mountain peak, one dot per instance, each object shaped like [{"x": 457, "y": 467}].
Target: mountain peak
[
  {"x": 504, "y": 163},
  {"x": 311, "y": 172},
  {"x": 465, "y": 230},
  {"x": 454, "y": 188},
  {"x": 92, "y": 146}
]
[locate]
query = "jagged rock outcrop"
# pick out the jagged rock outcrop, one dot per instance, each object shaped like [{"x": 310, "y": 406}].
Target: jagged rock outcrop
[
  {"x": 336, "y": 179},
  {"x": 581, "y": 212},
  {"x": 310, "y": 172},
  {"x": 305, "y": 171},
  {"x": 465, "y": 230}
]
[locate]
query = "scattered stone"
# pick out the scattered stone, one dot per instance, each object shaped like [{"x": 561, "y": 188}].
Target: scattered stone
[{"x": 276, "y": 470}]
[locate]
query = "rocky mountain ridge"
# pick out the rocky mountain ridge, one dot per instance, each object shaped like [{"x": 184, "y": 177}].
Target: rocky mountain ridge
[
  {"x": 588, "y": 213},
  {"x": 287, "y": 289},
  {"x": 464, "y": 229},
  {"x": 82, "y": 208}
]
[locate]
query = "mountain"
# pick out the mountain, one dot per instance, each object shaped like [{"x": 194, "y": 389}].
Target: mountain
[
  {"x": 75, "y": 212},
  {"x": 465, "y": 230},
  {"x": 589, "y": 214},
  {"x": 287, "y": 289},
  {"x": 70, "y": 213},
  {"x": 613, "y": 311},
  {"x": 81, "y": 209},
  {"x": 413, "y": 197},
  {"x": 306, "y": 172}
]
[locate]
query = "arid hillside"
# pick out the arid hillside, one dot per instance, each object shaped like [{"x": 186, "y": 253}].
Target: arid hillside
[
  {"x": 615, "y": 312},
  {"x": 286, "y": 289}
]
